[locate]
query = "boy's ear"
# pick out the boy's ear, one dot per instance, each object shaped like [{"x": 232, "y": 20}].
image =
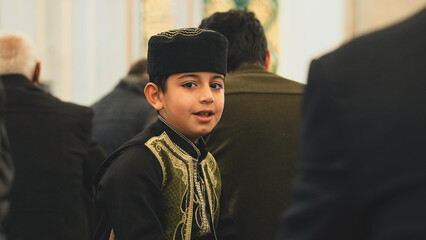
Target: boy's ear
[{"x": 154, "y": 96}]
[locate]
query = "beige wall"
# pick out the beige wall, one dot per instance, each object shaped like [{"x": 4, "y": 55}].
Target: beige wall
[{"x": 368, "y": 15}]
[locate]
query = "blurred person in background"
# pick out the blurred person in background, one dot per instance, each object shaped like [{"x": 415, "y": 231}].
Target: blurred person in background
[
  {"x": 6, "y": 164},
  {"x": 256, "y": 142},
  {"x": 55, "y": 155},
  {"x": 363, "y": 170},
  {"x": 123, "y": 113}
]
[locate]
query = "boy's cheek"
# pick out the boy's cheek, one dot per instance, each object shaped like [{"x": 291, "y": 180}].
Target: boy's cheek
[{"x": 219, "y": 115}]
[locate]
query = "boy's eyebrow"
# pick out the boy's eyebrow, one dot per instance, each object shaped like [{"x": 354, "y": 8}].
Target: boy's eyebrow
[
  {"x": 188, "y": 75},
  {"x": 219, "y": 76}
]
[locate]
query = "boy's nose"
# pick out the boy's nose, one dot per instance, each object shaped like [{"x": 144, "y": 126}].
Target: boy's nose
[{"x": 207, "y": 96}]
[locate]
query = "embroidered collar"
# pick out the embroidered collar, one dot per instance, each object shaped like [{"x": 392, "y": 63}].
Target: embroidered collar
[{"x": 197, "y": 151}]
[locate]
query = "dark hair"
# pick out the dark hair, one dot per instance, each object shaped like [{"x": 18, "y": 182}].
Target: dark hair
[
  {"x": 160, "y": 81},
  {"x": 246, "y": 38},
  {"x": 138, "y": 68}
]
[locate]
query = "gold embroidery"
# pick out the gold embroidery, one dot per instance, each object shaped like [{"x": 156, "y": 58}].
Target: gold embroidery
[
  {"x": 191, "y": 202},
  {"x": 182, "y": 189},
  {"x": 179, "y": 229},
  {"x": 177, "y": 158},
  {"x": 212, "y": 165},
  {"x": 156, "y": 148},
  {"x": 169, "y": 154},
  {"x": 213, "y": 188},
  {"x": 189, "y": 32},
  {"x": 183, "y": 137},
  {"x": 112, "y": 235},
  {"x": 201, "y": 208}
]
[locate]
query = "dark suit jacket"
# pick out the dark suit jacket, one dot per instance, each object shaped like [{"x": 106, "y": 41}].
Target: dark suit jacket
[
  {"x": 363, "y": 173},
  {"x": 55, "y": 159},
  {"x": 6, "y": 163},
  {"x": 256, "y": 145}
]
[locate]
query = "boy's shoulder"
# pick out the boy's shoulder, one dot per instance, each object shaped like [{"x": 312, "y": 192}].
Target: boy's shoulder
[{"x": 132, "y": 156}]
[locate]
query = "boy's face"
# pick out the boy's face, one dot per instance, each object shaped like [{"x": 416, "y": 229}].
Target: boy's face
[{"x": 193, "y": 102}]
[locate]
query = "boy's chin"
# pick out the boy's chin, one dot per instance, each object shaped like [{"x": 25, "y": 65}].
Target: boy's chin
[
  {"x": 200, "y": 135},
  {"x": 205, "y": 132}
]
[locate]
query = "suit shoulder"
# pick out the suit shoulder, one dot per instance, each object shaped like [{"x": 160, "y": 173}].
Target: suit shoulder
[
  {"x": 75, "y": 110},
  {"x": 129, "y": 165},
  {"x": 132, "y": 155},
  {"x": 132, "y": 158},
  {"x": 261, "y": 81},
  {"x": 405, "y": 36}
]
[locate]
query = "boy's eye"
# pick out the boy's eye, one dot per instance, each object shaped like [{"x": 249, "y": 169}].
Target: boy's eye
[
  {"x": 216, "y": 86},
  {"x": 189, "y": 85}
]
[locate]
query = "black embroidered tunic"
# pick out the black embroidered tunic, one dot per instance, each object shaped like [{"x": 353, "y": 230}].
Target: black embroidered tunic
[{"x": 160, "y": 185}]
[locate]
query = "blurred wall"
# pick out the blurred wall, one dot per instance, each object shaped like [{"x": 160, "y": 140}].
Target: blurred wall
[
  {"x": 81, "y": 43},
  {"x": 309, "y": 29},
  {"x": 163, "y": 15},
  {"x": 363, "y": 16}
]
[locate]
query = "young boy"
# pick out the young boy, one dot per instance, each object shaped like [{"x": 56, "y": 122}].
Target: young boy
[{"x": 164, "y": 184}]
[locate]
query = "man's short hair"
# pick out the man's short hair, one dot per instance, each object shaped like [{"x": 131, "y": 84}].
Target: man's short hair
[
  {"x": 138, "y": 68},
  {"x": 246, "y": 38},
  {"x": 17, "y": 54}
]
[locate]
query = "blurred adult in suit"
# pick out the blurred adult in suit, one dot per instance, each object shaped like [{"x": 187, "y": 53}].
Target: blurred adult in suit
[
  {"x": 256, "y": 142},
  {"x": 54, "y": 153},
  {"x": 363, "y": 173},
  {"x": 6, "y": 164},
  {"x": 123, "y": 112}
]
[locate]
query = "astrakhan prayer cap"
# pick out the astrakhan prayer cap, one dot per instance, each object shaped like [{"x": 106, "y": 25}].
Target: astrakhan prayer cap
[{"x": 187, "y": 50}]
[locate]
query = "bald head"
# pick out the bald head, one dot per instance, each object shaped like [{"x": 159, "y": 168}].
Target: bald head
[{"x": 17, "y": 55}]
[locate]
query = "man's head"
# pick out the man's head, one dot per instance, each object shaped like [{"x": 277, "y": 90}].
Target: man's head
[
  {"x": 139, "y": 68},
  {"x": 187, "y": 68},
  {"x": 17, "y": 56},
  {"x": 246, "y": 38}
]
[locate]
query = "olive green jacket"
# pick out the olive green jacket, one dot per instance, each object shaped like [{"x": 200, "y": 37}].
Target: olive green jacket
[{"x": 256, "y": 145}]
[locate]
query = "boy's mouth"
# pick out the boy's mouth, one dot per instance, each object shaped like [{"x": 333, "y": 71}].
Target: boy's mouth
[{"x": 204, "y": 114}]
